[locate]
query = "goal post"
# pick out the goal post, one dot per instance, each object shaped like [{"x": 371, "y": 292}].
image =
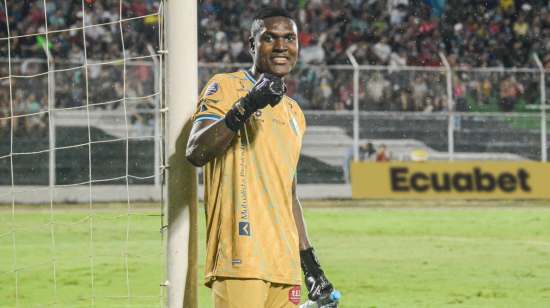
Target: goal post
[{"x": 181, "y": 97}]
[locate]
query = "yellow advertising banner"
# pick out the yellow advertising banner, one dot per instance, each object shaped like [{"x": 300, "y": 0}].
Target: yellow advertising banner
[{"x": 453, "y": 180}]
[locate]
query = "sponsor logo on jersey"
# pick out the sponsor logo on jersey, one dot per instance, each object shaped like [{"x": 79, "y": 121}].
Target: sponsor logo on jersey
[
  {"x": 242, "y": 88},
  {"x": 257, "y": 116},
  {"x": 244, "y": 225},
  {"x": 212, "y": 88},
  {"x": 294, "y": 295},
  {"x": 244, "y": 228},
  {"x": 237, "y": 262}
]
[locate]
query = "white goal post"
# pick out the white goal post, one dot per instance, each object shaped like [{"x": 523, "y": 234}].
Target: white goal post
[{"x": 181, "y": 97}]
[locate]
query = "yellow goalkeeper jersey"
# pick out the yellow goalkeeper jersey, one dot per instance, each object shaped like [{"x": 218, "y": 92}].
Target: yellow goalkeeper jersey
[{"x": 247, "y": 189}]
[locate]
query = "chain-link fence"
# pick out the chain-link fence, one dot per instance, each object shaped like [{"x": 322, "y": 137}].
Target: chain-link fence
[
  {"x": 415, "y": 113},
  {"x": 100, "y": 111}
]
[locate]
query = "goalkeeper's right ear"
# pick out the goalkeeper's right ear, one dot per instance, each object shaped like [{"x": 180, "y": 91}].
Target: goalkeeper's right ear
[{"x": 268, "y": 90}]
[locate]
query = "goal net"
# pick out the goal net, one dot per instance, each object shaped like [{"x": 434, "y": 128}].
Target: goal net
[{"x": 81, "y": 122}]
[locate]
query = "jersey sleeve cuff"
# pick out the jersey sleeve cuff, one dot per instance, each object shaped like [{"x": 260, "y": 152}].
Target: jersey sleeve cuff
[{"x": 207, "y": 117}]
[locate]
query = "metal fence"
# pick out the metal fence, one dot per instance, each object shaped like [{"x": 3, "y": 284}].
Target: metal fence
[
  {"x": 487, "y": 110},
  {"x": 447, "y": 113}
]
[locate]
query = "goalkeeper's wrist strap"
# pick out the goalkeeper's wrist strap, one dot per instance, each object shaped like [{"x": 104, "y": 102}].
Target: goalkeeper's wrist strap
[
  {"x": 237, "y": 116},
  {"x": 310, "y": 263}
]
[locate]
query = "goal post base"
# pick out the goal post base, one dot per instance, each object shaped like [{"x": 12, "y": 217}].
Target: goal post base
[{"x": 181, "y": 258}]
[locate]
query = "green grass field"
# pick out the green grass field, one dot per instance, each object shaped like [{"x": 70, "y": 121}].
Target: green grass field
[{"x": 378, "y": 254}]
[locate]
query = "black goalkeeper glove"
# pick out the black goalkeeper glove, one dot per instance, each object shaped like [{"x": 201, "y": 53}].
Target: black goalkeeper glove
[
  {"x": 316, "y": 282},
  {"x": 268, "y": 90}
]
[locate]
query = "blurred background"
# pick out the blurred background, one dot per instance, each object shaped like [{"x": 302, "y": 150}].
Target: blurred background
[{"x": 447, "y": 80}]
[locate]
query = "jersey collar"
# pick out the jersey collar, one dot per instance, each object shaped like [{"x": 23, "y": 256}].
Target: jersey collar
[{"x": 249, "y": 77}]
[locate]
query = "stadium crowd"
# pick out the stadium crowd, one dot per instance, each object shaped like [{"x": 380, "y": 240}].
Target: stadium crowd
[
  {"x": 488, "y": 33},
  {"x": 391, "y": 33},
  {"x": 103, "y": 40}
]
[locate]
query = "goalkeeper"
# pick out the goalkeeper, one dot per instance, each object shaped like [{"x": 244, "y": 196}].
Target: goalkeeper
[{"x": 247, "y": 134}]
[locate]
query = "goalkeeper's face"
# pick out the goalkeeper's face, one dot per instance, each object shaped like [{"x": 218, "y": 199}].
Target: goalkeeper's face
[{"x": 275, "y": 46}]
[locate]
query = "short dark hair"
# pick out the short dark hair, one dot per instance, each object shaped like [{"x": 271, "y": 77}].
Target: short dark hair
[{"x": 265, "y": 13}]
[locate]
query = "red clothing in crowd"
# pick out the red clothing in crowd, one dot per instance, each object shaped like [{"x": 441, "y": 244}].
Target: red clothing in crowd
[
  {"x": 304, "y": 39},
  {"x": 426, "y": 28},
  {"x": 139, "y": 8},
  {"x": 380, "y": 157}
]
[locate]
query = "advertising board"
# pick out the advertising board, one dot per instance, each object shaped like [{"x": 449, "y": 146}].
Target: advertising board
[{"x": 453, "y": 180}]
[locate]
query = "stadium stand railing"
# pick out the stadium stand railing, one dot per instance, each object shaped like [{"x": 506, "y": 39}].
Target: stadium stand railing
[{"x": 495, "y": 115}]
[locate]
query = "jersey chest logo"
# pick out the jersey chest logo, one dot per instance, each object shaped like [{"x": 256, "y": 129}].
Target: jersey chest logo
[
  {"x": 212, "y": 88},
  {"x": 295, "y": 126}
]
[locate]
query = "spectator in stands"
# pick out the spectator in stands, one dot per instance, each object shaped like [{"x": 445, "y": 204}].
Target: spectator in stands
[
  {"x": 397, "y": 14},
  {"x": 404, "y": 101},
  {"x": 78, "y": 89},
  {"x": 398, "y": 60},
  {"x": 433, "y": 103},
  {"x": 375, "y": 92},
  {"x": 510, "y": 90},
  {"x": 62, "y": 92},
  {"x": 144, "y": 117},
  {"x": 459, "y": 92},
  {"x": 381, "y": 154},
  {"x": 521, "y": 27},
  {"x": 236, "y": 46},
  {"x": 382, "y": 50},
  {"x": 323, "y": 88},
  {"x": 314, "y": 52},
  {"x": 34, "y": 120},
  {"x": 486, "y": 91},
  {"x": 531, "y": 88},
  {"x": 420, "y": 90},
  {"x": 345, "y": 90},
  {"x": 5, "y": 112},
  {"x": 76, "y": 54}
]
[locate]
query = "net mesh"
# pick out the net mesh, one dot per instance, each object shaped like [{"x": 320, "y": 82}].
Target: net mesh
[{"x": 78, "y": 107}]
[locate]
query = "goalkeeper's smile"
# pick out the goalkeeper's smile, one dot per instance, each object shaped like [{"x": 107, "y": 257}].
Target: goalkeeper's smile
[{"x": 274, "y": 47}]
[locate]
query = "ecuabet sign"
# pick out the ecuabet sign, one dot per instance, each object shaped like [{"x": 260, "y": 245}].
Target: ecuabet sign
[{"x": 471, "y": 180}]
